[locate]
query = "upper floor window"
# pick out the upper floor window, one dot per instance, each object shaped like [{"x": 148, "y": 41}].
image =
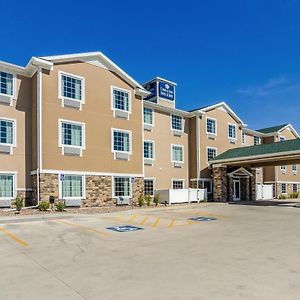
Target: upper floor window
[
  {"x": 7, "y": 132},
  {"x": 71, "y": 87},
  {"x": 243, "y": 138},
  {"x": 256, "y": 140},
  {"x": 73, "y": 186},
  {"x": 72, "y": 137},
  {"x": 121, "y": 141},
  {"x": 177, "y": 153},
  {"x": 176, "y": 122},
  {"x": 211, "y": 126},
  {"x": 121, "y": 187},
  {"x": 282, "y": 139},
  {"x": 294, "y": 168},
  {"x": 211, "y": 153},
  {"x": 148, "y": 116},
  {"x": 232, "y": 131},
  {"x": 120, "y": 99},
  {"x": 283, "y": 168},
  {"x": 149, "y": 149},
  {"x": 6, "y": 84}
]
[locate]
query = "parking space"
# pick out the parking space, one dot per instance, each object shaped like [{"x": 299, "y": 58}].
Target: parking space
[{"x": 232, "y": 252}]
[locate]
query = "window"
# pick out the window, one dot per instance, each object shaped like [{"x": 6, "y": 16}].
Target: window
[
  {"x": 243, "y": 138},
  {"x": 6, "y": 186},
  {"x": 211, "y": 126},
  {"x": 177, "y": 153},
  {"x": 231, "y": 131},
  {"x": 283, "y": 188},
  {"x": 120, "y": 99},
  {"x": 6, "y": 132},
  {"x": 149, "y": 187},
  {"x": 295, "y": 187},
  {"x": 177, "y": 184},
  {"x": 71, "y": 87},
  {"x": 176, "y": 123},
  {"x": 206, "y": 184},
  {"x": 294, "y": 168},
  {"x": 6, "y": 84},
  {"x": 283, "y": 169},
  {"x": 282, "y": 139},
  {"x": 72, "y": 186},
  {"x": 148, "y": 116},
  {"x": 256, "y": 140},
  {"x": 121, "y": 186},
  {"x": 149, "y": 149},
  {"x": 71, "y": 134},
  {"x": 121, "y": 141},
  {"x": 211, "y": 153}
]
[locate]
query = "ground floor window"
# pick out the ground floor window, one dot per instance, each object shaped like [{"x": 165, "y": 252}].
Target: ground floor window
[
  {"x": 121, "y": 186},
  {"x": 177, "y": 184},
  {"x": 283, "y": 188},
  {"x": 295, "y": 187},
  {"x": 7, "y": 186},
  {"x": 72, "y": 186},
  {"x": 149, "y": 187},
  {"x": 206, "y": 184}
]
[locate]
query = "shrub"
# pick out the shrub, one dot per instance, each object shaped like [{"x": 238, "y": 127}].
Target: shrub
[
  {"x": 148, "y": 199},
  {"x": 294, "y": 195},
  {"x": 156, "y": 199},
  {"x": 44, "y": 205},
  {"x": 19, "y": 203},
  {"x": 60, "y": 206},
  {"x": 141, "y": 201},
  {"x": 282, "y": 196}
]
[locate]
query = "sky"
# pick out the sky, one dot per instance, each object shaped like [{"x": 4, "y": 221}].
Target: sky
[{"x": 243, "y": 52}]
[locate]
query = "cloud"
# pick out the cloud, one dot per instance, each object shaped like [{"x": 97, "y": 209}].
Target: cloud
[{"x": 265, "y": 89}]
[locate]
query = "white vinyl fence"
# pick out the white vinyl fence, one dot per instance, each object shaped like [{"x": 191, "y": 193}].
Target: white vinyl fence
[
  {"x": 181, "y": 195},
  {"x": 264, "y": 192}
]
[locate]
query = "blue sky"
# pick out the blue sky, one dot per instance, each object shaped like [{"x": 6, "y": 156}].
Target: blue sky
[{"x": 243, "y": 52}]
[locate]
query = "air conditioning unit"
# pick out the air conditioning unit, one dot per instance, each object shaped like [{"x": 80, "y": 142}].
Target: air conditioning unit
[
  {"x": 177, "y": 132},
  {"x": 211, "y": 136},
  {"x": 5, "y": 203},
  {"x": 122, "y": 155},
  {"x": 72, "y": 103},
  {"x": 73, "y": 151},
  {"x": 6, "y": 99},
  {"x": 121, "y": 114},
  {"x": 123, "y": 200},
  {"x": 72, "y": 202},
  {"x": 178, "y": 164}
]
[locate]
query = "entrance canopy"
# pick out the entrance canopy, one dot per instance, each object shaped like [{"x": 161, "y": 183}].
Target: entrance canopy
[{"x": 273, "y": 154}]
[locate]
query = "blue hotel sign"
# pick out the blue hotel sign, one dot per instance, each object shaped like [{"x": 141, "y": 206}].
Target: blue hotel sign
[
  {"x": 151, "y": 87},
  {"x": 166, "y": 91}
]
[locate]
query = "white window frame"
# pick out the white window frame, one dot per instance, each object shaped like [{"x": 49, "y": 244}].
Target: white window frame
[
  {"x": 112, "y": 142},
  {"x": 282, "y": 138},
  {"x": 113, "y": 187},
  {"x": 154, "y": 184},
  {"x": 228, "y": 131},
  {"x": 216, "y": 128},
  {"x": 116, "y": 110},
  {"x": 243, "y": 137},
  {"x": 176, "y": 161},
  {"x": 259, "y": 140},
  {"x": 297, "y": 187},
  {"x": 153, "y": 145},
  {"x": 14, "y": 143},
  {"x": 148, "y": 126},
  {"x": 215, "y": 148},
  {"x": 285, "y": 188},
  {"x": 62, "y": 97},
  {"x": 60, "y": 193},
  {"x": 283, "y": 169},
  {"x": 14, "y": 174},
  {"x": 61, "y": 145},
  {"x": 295, "y": 170},
  {"x": 177, "y": 179},
  {"x": 171, "y": 123}
]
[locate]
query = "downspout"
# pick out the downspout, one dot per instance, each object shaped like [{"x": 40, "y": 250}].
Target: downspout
[
  {"x": 198, "y": 150},
  {"x": 39, "y": 131}
]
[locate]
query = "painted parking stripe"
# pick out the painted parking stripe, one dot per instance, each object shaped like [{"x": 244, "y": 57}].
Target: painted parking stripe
[
  {"x": 13, "y": 237},
  {"x": 132, "y": 218},
  {"x": 144, "y": 221},
  {"x": 155, "y": 224},
  {"x": 172, "y": 223},
  {"x": 83, "y": 227}
]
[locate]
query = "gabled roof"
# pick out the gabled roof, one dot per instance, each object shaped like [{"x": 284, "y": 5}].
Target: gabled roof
[
  {"x": 272, "y": 129},
  {"x": 104, "y": 60},
  {"x": 217, "y": 105},
  {"x": 258, "y": 150}
]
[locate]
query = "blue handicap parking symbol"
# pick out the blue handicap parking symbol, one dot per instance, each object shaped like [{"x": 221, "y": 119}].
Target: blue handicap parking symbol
[
  {"x": 124, "y": 228},
  {"x": 202, "y": 219}
]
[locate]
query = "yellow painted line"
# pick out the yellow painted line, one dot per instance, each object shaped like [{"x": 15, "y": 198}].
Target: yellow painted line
[
  {"x": 132, "y": 218},
  {"x": 172, "y": 223},
  {"x": 83, "y": 227},
  {"x": 155, "y": 224},
  {"x": 13, "y": 237},
  {"x": 144, "y": 221}
]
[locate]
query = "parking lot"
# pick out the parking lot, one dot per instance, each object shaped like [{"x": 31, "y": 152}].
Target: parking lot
[{"x": 238, "y": 252}]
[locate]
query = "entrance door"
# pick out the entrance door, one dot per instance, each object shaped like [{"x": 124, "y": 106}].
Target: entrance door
[{"x": 236, "y": 190}]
